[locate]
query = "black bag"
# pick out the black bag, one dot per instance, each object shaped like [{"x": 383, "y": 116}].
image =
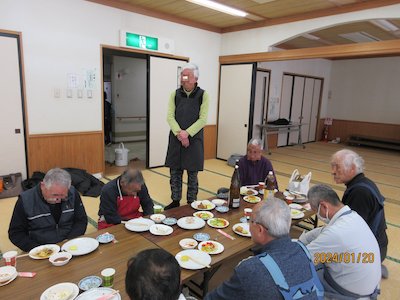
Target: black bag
[{"x": 280, "y": 122}]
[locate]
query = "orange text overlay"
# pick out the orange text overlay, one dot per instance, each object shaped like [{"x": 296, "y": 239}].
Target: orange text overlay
[{"x": 343, "y": 257}]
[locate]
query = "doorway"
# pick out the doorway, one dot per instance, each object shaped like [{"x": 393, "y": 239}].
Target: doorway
[
  {"x": 125, "y": 107},
  {"x": 13, "y": 157}
]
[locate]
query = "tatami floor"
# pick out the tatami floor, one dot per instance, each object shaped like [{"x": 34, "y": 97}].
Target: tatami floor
[{"x": 381, "y": 166}]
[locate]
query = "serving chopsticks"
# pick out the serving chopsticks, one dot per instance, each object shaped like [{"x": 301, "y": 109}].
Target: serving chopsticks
[
  {"x": 108, "y": 296},
  {"x": 198, "y": 262}
]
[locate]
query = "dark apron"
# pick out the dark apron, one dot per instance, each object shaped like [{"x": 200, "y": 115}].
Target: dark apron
[{"x": 187, "y": 110}]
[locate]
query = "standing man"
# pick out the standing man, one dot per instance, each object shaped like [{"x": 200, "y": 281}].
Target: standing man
[
  {"x": 361, "y": 195},
  {"x": 187, "y": 116},
  {"x": 48, "y": 213}
]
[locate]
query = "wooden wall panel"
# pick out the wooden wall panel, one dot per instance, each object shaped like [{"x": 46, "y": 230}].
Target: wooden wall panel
[
  {"x": 345, "y": 128},
  {"x": 83, "y": 150},
  {"x": 210, "y": 141}
]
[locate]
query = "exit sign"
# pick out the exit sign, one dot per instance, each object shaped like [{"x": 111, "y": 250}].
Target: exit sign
[{"x": 134, "y": 40}]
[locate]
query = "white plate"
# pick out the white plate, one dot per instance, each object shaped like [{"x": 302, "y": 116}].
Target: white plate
[
  {"x": 97, "y": 293},
  {"x": 191, "y": 223},
  {"x": 296, "y": 206},
  {"x": 296, "y": 214},
  {"x": 205, "y": 215},
  {"x": 55, "y": 248},
  {"x": 218, "y": 247},
  {"x": 245, "y": 191},
  {"x": 56, "y": 292},
  {"x": 80, "y": 246},
  {"x": 9, "y": 273},
  {"x": 252, "y": 199},
  {"x": 139, "y": 224},
  {"x": 198, "y": 255},
  {"x": 209, "y": 205},
  {"x": 211, "y": 222},
  {"x": 245, "y": 226},
  {"x": 161, "y": 229}
]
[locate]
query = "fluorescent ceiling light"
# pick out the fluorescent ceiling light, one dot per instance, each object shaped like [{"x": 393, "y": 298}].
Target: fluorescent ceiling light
[
  {"x": 359, "y": 37},
  {"x": 310, "y": 36},
  {"x": 220, "y": 7},
  {"x": 385, "y": 25}
]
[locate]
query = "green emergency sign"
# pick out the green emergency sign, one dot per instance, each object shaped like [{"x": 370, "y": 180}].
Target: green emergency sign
[{"x": 141, "y": 41}]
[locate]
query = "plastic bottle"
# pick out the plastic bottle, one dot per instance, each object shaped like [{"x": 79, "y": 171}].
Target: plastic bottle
[
  {"x": 269, "y": 188},
  {"x": 234, "y": 190}
]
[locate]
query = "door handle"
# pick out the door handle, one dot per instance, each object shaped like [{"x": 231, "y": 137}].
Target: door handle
[{"x": 17, "y": 130}]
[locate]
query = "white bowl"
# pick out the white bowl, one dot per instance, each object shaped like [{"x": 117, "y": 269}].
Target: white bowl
[
  {"x": 55, "y": 259},
  {"x": 158, "y": 218},
  {"x": 218, "y": 202},
  {"x": 188, "y": 243},
  {"x": 6, "y": 273}
]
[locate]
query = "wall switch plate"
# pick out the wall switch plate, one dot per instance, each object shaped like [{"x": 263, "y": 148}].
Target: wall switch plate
[
  {"x": 57, "y": 93},
  {"x": 80, "y": 93},
  {"x": 89, "y": 94},
  {"x": 69, "y": 93}
]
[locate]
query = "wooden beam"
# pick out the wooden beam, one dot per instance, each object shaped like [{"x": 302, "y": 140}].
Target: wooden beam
[{"x": 373, "y": 49}]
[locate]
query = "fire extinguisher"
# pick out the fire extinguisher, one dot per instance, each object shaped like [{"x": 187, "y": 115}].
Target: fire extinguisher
[{"x": 326, "y": 132}]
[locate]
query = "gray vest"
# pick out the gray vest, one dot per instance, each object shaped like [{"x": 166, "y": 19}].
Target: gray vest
[{"x": 42, "y": 226}]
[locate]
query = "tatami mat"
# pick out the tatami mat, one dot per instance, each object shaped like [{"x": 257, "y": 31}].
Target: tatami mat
[{"x": 381, "y": 166}]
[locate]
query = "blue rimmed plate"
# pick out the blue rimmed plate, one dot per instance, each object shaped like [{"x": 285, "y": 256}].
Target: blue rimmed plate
[
  {"x": 90, "y": 282},
  {"x": 169, "y": 221},
  {"x": 201, "y": 236},
  {"x": 105, "y": 238},
  {"x": 222, "y": 209}
]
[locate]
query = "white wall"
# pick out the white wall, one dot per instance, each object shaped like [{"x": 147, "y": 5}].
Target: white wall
[
  {"x": 309, "y": 67},
  {"x": 260, "y": 39},
  {"x": 62, "y": 37},
  {"x": 366, "y": 90}
]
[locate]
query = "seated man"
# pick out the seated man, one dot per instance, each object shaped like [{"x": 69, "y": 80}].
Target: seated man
[
  {"x": 122, "y": 197},
  {"x": 345, "y": 247},
  {"x": 48, "y": 213},
  {"x": 362, "y": 195},
  {"x": 281, "y": 263},
  {"x": 153, "y": 274},
  {"x": 254, "y": 167}
]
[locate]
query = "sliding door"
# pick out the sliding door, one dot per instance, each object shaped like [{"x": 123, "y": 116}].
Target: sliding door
[
  {"x": 235, "y": 109},
  {"x": 164, "y": 78}
]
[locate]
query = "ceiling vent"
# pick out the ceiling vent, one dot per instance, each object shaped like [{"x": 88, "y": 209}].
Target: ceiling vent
[{"x": 359, "y": 37}]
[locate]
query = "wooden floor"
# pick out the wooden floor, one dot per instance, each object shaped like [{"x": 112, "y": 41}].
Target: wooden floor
[{"x": 381, "y": 166}]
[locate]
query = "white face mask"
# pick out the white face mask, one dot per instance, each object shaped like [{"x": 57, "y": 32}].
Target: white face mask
[{"x": 326, "y": 219}]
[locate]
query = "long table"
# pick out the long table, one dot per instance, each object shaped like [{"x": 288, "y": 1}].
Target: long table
[{"x": 116, "y": 255}]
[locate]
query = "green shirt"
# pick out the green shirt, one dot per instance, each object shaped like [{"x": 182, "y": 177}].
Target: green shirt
[{"x": 196, "y": 126}]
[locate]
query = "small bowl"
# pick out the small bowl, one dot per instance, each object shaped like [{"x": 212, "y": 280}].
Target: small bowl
[
  {"x": 158, "y": 218},
  {"x": 61, "y": 258},
  {"x": 169, "y": 221},
  {"x": 218, "y": 202},
  {"x": 105, "y": 238},
  {"x": 222, "y": 209},
  {"x": 201, "y": 236},
  {"x": 90, "y": 282},
  {"x": 188, "y": 243}
]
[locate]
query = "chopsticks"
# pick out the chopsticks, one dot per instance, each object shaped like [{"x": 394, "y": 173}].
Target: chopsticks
[
  {"x": 22, "y": 255},
  {"x": 108, "y": 296},
  {"x": 226, "y": 234}
]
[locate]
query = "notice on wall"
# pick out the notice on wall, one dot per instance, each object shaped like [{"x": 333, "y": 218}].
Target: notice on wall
[{"x": 90, "y": 79}]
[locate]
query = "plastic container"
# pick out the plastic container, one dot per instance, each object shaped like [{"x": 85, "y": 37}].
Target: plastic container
[{"x": 121, "y": 156}]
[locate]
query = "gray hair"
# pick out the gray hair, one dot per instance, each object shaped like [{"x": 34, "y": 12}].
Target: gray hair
[
  {"x": 322, "y": 192},
  {"x": 57, "y": 176},
  {"x": 350, "y": 158},
  {"x": 255, "y": 142},
  {"x": 274, "y": 215},
  {"x": 132, "y": 176},
  {"x": 194, "y": 68}
]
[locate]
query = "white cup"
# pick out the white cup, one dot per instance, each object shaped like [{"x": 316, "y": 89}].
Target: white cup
[
  {"x": 10, "y": 258},
  {"x": 157, "y": 209}
]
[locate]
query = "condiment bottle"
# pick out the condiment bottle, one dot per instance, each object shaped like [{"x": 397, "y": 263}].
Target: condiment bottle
[{"x": 269, "y": 188}]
